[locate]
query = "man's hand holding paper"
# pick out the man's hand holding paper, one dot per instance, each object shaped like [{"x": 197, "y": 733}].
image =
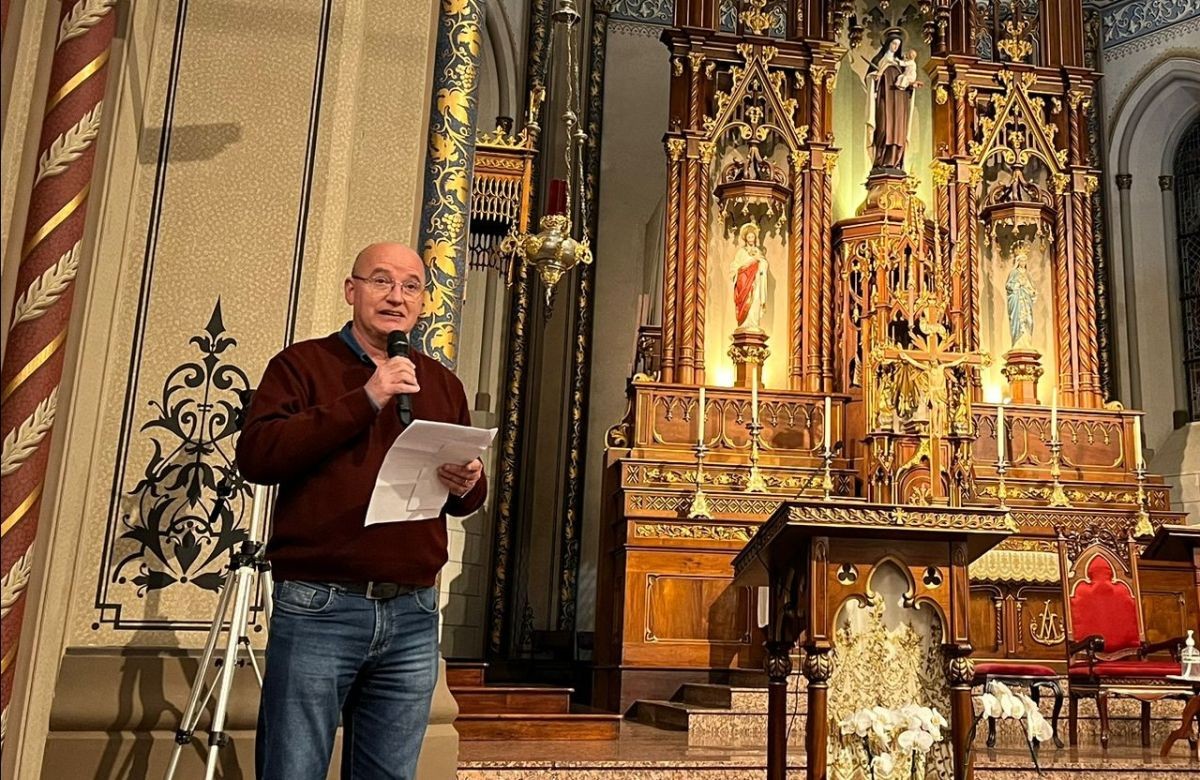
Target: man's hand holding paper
[{"x": 429, "y": 462}]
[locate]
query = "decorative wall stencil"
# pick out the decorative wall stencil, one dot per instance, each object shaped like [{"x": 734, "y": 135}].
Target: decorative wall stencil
[
  {"x": 648, "y": 11},
  {"x": 1125, "y": 21},
  {"x": 186, "y": 513},
  {"x": 167, "y": 431}
]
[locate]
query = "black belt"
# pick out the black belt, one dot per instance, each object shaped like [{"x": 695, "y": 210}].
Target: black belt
[{"x": 376, "y": 590}]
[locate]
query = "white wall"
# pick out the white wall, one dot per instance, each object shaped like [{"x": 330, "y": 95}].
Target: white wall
[
  {"x": 632, "y": 183},
  {"x": 1151, "y": 94}
]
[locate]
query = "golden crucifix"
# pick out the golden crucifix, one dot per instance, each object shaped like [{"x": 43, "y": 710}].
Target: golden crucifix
[{"x": 930, "y": 357}]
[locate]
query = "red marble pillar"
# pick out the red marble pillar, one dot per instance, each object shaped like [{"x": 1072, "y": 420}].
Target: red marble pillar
[{"x": 41, "y": 311}]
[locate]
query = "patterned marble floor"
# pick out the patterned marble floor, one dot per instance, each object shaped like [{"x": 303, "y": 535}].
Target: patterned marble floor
[{"x": 646, "y": 753}]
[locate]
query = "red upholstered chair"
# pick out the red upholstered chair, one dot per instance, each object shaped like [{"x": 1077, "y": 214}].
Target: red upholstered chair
[{"x": 1107, "y": 652}]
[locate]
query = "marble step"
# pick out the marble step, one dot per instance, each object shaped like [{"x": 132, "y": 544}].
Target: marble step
[{"x": 728, "y": 697}]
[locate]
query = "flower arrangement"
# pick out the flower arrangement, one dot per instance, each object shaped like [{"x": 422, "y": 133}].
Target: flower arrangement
[
  {"x": 895, "y": 738},
  {"x": 998, "y": 701}
]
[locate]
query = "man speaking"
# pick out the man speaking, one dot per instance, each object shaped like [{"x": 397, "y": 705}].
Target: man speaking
[{"x": 355, "y": 627}]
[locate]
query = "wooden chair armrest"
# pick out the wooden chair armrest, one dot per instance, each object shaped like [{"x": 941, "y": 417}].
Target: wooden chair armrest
[
  {"x": 1089, "y": 644},
  {"x": 1129, "y": 652},
  {"x": 1173, "y": 645}
]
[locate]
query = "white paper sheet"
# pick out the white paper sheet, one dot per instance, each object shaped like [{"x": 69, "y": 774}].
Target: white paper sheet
[{"x": 408, "y": 487}]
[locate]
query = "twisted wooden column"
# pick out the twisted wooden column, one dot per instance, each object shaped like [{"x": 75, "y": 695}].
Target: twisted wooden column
[
  {"x": 796, "y": 275},
  {"x": 1064, "y": 294},
  {"x": 50, "y": 255},
  {"x": 675, "y": 147},
  {"x": 704, "y": 195}
]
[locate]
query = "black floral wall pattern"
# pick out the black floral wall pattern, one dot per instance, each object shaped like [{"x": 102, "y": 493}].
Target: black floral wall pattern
[{"x": 190, "y": 507}]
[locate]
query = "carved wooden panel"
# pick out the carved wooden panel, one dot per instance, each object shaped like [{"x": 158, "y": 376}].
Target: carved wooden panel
[
  {"x": 1039, "y": 620},
  {"x": 987, "y": 632},
  {"x": 1168, "y": 600},
  {"x": 696, "y": 609}
]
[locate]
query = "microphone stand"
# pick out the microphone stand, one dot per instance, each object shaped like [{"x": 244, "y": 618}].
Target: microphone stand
[{"x": 245, "y": 564}]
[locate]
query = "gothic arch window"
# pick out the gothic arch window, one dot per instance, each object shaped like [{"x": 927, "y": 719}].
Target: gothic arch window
[{"x": 1187, "y": 205}]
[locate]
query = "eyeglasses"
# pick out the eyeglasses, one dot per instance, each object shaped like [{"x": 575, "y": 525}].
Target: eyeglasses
[{"x": 382, "y": 285}]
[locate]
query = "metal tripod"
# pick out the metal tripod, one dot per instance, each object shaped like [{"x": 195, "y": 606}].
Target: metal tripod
[{"x": 236, "y": 590}]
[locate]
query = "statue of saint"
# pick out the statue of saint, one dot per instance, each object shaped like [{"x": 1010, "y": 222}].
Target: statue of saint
[
  {"x": 891, "y": 78},
  {"x": 749, "y": 279},
  {"x": 1021, "y": 294}
]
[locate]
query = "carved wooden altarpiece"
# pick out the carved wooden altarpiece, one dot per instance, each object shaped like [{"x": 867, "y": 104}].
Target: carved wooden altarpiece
[{"x": 895, "y": 293}]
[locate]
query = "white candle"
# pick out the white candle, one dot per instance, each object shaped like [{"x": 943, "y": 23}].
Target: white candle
[
  {"x": 1000, "y": 432},
  {"x": 701, "y": 418},
  {"x": 826, "y": 425},
  {"x": 1054, "y": 416},
  {"x": 1137, "y": 441},
  {"x": 754, "y": 393}
]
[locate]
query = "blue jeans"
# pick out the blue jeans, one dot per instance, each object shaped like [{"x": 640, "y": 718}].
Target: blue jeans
[{"x": 330, "y": 652}]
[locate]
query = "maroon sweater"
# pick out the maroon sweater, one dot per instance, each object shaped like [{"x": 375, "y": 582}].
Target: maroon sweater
[{"x": 312, "y": 429}]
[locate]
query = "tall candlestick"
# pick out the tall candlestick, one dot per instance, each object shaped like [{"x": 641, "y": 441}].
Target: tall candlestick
[
  {"x": 828, "y": 428},
  {"x": 754, "y": 393},
  {"x": 1137, "y": 443},
  {"x": 1054, "y": 416},
  {"x": 702, "y": 418},
  {"x": 1000, "y": 431}
]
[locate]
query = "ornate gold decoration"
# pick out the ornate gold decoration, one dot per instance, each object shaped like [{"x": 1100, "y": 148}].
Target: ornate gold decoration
[
  {"x": 755, "y": 16},
  {"x": 908, "y": 516},
  {"x": 818, "y": 666},
  {"x": 737, "y": 506},
  {"x": 448, "y": 177},
  {"x": 1016, "y": 44},
  {"x": 885, "y": 667},
  {"x": 960, "y": 670},
  {"x": 676, "y": 148},
  {"x": 1047, "y": 628},
  {"x": 705, "y": 533},
  {"x": 939, "y": 94},
  {"x": 1001, "y": 565},
  {"x": 677, "y": 66},
  {"x": 1018, "y": 129}
]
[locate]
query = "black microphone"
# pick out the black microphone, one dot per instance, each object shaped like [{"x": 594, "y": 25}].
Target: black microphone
[{"x": 398, "y": 347}]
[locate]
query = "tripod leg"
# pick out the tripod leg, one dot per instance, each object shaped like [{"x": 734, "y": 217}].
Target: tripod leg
[
  {"x": 266, "y": 583},
  {"x": 191, "y": 714},
  {"x": 217, "y": 737}
]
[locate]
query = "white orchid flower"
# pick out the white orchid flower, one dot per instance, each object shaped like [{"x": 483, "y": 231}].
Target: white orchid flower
[
  {"x": 924, "y": 741},
  {"x": 989, "y": 706},
  {"x": 863, "y": 721},
  {"x": 883, "y": 764},
  {"x": 938, "y": 720}
]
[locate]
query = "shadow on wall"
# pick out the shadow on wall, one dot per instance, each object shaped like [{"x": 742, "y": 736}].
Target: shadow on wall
[
  {"x": 190, "y": 143},
  {"x": 1178, "y": 460}
]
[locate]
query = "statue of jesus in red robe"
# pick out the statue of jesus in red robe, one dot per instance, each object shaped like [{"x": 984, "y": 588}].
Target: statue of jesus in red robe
[{"x": 749, "y": 279}]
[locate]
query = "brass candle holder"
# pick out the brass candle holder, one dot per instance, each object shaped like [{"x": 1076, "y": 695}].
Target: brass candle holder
[
  {"x": 1142, "y": 528},
  {"x": 827, "y": 476},
  {"x": 698, "y": 509},
  {"x": 1058, "y": 496},
  {"x": 1001, "y": 487},
  {"x": 755, "y": 482}
]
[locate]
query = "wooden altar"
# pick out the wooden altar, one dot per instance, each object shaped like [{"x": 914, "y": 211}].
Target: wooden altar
[
  {"x": 814, "y": 556},
  {"x": 904, "y": 307}
]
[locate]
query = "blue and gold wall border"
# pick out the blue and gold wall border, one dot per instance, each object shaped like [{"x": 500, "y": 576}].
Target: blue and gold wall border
[{"x": 447, "y": 194}]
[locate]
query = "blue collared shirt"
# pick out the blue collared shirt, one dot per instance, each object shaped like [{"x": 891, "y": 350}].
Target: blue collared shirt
[{"x": 347, "y": 335}]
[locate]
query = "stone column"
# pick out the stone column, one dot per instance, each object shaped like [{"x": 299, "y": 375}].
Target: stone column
[
  {"x": 1129, "y": 277},
  {"x": 448, "y": 170},
  {"x": 41, "y": 312},
  {"x": 1166, "y": 183}
]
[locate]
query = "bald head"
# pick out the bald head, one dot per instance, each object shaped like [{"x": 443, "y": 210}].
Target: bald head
[{"x": 386, "y": 253}]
